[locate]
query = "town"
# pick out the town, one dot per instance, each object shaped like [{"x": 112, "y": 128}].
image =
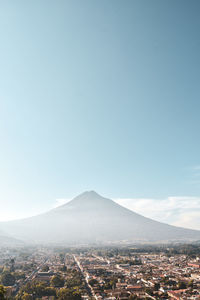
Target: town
[{"x": 100, "y": 273}]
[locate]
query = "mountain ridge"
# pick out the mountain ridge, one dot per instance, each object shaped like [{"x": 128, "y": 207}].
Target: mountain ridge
[{"x": 91, "y": 218}]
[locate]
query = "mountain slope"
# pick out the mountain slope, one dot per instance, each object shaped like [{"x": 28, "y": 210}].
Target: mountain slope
[
  {"x": 7, "y": 241},
  {"x": 90, "y": 218}
]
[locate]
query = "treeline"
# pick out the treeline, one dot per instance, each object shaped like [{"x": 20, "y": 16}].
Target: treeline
[
  {"x": 171, "y": 249},
  {"x": 69, "y": 285}
]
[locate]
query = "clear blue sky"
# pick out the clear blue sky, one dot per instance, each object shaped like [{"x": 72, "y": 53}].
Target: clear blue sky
[{"x": 98, "y": 95}]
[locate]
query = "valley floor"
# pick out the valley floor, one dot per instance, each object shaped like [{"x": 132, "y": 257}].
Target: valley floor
[{"x": 105, "y": 273}]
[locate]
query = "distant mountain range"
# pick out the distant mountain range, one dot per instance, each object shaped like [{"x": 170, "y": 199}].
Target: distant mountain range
[
  {"x": 6, "y": 241},
  {"x": 92, "y": 219}
]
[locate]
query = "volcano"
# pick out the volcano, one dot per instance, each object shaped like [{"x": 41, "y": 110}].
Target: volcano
[{"x": 92, "y": 219}]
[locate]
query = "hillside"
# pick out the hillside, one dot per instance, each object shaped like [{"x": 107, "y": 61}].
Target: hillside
[
  {"x": 7, "y": 241},
  {"x": 90, "y": 218}
]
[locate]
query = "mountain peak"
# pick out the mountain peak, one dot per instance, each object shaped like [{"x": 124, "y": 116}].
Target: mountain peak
[
  {"x": 88, "y": 196},
  {"x": 86, "y": 200},
  {"x": 89, "y": 199}
]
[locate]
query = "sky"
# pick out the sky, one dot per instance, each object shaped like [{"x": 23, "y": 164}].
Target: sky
[{"x": 100, "y": 95}]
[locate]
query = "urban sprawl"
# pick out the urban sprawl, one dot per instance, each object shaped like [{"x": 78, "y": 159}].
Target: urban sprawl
[{"x": 148, "y": 272}]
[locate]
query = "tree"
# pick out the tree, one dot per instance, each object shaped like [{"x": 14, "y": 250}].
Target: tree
[
  {"x": 149, "y": 291},
  {"x": 92, "y": 282},
  {"x": 63, "y": 268},
  {"x": 50, "y": 291},
  {"x": 19, "y": 275},
  {"x": 156, "y": 286},
  {"x": 190, "y": 283},
  {"x": 12, "y": 264},
  {"x": 57, "y": 281},
  {"x": 27, "y": 296},
  {"x": 2, "y": 292},
  {"x": 35, "y": 289},
  {"x": 74, "y": 280},
  {"x": 69, "y": 294},
  {"x": 181, "y": 285},
  {"x": 7, "y": 279}
]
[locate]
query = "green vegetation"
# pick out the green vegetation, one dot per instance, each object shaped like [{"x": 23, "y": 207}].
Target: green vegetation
[
  {"x": 7, "y": 279},
  {"x": 181, "y": 285},
  {"x": 36, "y": 288},
  {"x": 68, "y": 287},
  {"x": 74, "y": 279},
  {"x": 92, "y": 282},
  {"x": 57, "y": 281},
  {"x": 2, "y": 292},
  {"x": 69, "y": 294}
]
